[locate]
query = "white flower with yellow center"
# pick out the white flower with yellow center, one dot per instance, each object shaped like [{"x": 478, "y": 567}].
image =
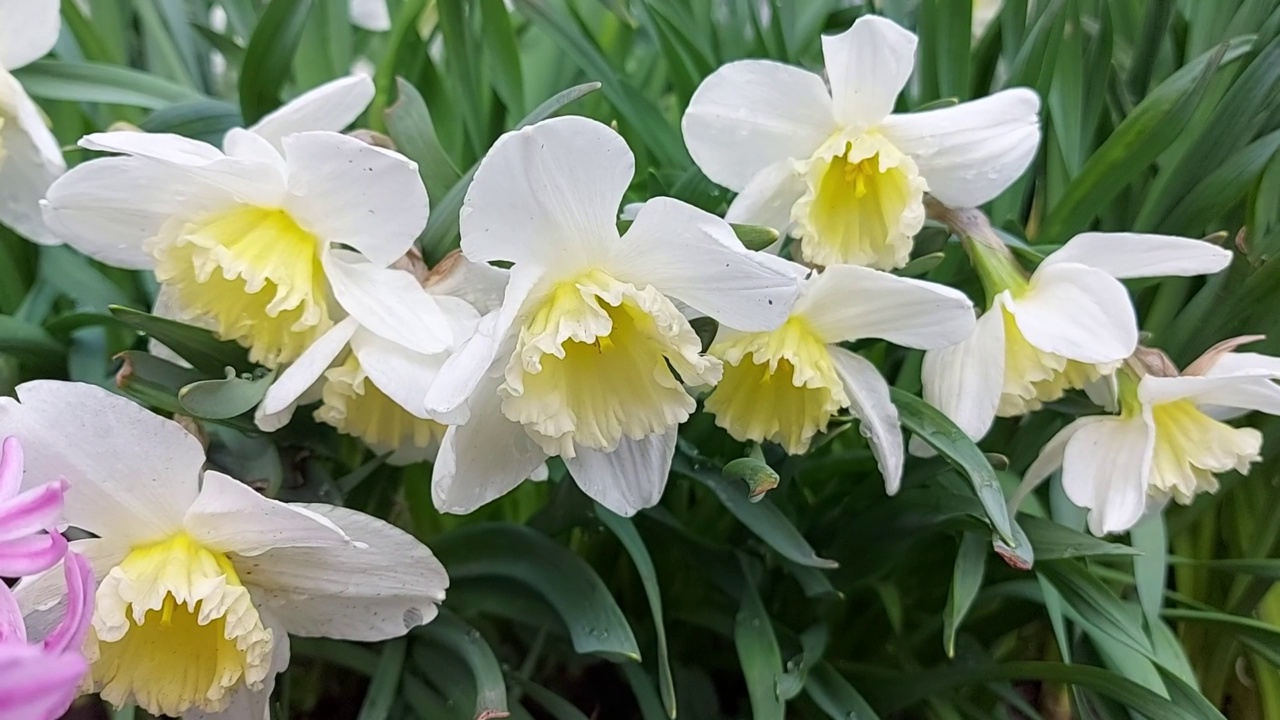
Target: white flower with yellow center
[
  {"x": 832, "y": 165},
  {"x": 374, "y": 388},
  {"x": 200, "y": 577},
  {"x": 588, "y": 356},
  {"x": 785, "y": 385},
  {"x": 1168, "y": 442},
  {"x": 30, "y": 158},
  {"x": 1069, "y": 324},
  {"x": 242, "y": 239}
]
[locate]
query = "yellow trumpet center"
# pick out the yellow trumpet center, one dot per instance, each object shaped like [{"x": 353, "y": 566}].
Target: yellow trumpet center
[
  {"x": 599, "y": 359},
  {"x": 255, "y": 276},
  {"x": 1191, "y": 447},
  {"x": 865, "y": 201},
  {"x": 355, "y": 406},
  {"x": 779, "y": 386},
  {"x": 1033, "y": 377},
  {"x": 177, "y": 630}
]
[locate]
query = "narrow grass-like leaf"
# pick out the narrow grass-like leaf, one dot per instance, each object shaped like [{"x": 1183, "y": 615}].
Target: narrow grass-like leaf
[
  {"x": 385, "y": 681},
  {"x": 1088, "y": 601},
  {"x": 96, "y": 83},
  {"x": 466, "y": 644},
  {"x": 195, "y": 345},
  {"x": 835, "y": 696},
  {"x": 966, "y": 581},
  {"x": 759, "y": 656},
  {"x": 268, "y": 58},
  {"x": 1150, "y": 538},
  {"x": 1054, "y": 541},
  {"x": 29, "y": 342},
  {"x": 409, "y": 124}
]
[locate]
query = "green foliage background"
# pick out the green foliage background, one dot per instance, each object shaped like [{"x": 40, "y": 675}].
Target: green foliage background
[{"x": 825, "y": 599}]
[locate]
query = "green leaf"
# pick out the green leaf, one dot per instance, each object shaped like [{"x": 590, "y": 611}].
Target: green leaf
[
  {"x": 205, "y": 120},
  {"x": 466, "y": 644},
  {"x": 762, "y": 518},
  {"x": 561, "y": 578},
  {"x": 227, "y": 398},
  {"x": 29, "y": 343},
  {"x": 966, "y": 581},
  {"x": 385, "y": 681},
  {"x": 98, "y": 83},
  {"x": 759, "y": 477},
  {"x": 268, "y": 58},
  {"x": 1054, "y": 541},
  {"x": 504, "y": 55},
  {"x": 1090, "y": 602},
  {"x": 835, "y": 696},
  {"x": 410, "y": 127},
  {"x": 557, "y": 707},
  {"x": 759, "y": 656},
  {"x": 155, "y": 382},
  {"x": 1152, "y": 126},
  {"x": 195, "y": 345},
  {"x": 1151, "y": 566},
  {"x": 635, "y": 547},
  {"x": 1261, "y": 637},
  {"x": 929, "y": 424}
]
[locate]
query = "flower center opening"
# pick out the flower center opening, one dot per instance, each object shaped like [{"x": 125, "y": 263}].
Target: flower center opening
[
  {"x": 779, "y": 386},
  {"x": 255, "y": 275},
  {"x": 1191, "y": 447},
  {"x": 354, "y": 405},
  {"x": 177, "y": 630},
  {"x": 865, "y": 201},
  {"x": 1033, "y": 377},
  {"x": 600, "y": 359}
]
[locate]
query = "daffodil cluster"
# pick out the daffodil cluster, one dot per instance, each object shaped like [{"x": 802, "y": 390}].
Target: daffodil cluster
[{"x": 553, "y": 333}]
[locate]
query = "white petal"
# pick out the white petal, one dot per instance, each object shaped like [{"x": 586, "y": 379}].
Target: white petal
[
  {"x": 868, "y": 65},
  {"x": 310, "y": 365},
  {"x": 694, "y": 256},
  {"x": 1135, "y": 255},
  {"x": 629, "y": 479},
  {"x": 390, "y": 303},
  {"x": 1078, "y": 312},
  {"x": 1050, "y": 458},
  {"x": 1105, "y": 468},
  {"x": 971, "y": 152},
  {"x": 132, "y": 473},
  {"x": 28, "y": 30},
  {"x": 1246, "y": 363},
  {"x": 231, "y": 517},
  {"x": 403, "y": 375},
  {"x": 768, "y": 198},
  {"x": 331, "y": 106},
  {"x": 964, "y": 380},
  {"x": 381, "y": 587},
  {"x": 371, "y": 15},
  {"x": 462, "y": 373},
  {"x": 31, "y": 159},
  {"x": 548, "y": 194},
  {"x": 751, "y": 114},
  {"x": 847, "y": 302},
  {"x": 249, "y": 704},
  {"x": 167, "y": 147},
  {"x": 877, "y": 415},
  {"x": 480, "y": 284},
  {"x": 1244, "y": 392},
  {"x": 244, "y": 145},
  {"x": 347, "y": 191},
  {"x": 483, "y": 459}
]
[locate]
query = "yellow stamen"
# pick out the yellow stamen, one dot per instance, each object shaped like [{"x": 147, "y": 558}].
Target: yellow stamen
[
  {"x": 779, "y": 386},
  {"x": 254, "y": 275},
  {"x": 176, "y": 630}
]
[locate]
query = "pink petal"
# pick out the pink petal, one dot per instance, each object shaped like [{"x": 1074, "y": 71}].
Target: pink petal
[
  {"x": 10, "y": 467},
  {"x": 31, "y": 554},
  {"x": 34, "y": 510},
  {"x": 12, "y": 628},
  {"x": 70, "y": 633},
  {"x": 35, "y": 685}
]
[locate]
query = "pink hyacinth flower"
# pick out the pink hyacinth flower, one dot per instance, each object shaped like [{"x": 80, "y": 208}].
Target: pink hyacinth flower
[
  {"x": 25, "y": 549},
  {"x": 38, "y": 681}
]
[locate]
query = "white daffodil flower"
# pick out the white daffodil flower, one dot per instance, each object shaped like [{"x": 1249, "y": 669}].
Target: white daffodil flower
[
  {"x": 833, "y": 166},
  {"x": 786, "y": 384},
  {"x": 242, "y": 239},
  {"x": 588, "y": 356},
  {"x": 372, "y": 387},
  {"x": 1168, "y": 442},
  {"x": 371, "y": 15},
  {"x": 199, "y": 576},
  {"x": 1066, "y": 326},
  {"x": 30, "y": 158}
]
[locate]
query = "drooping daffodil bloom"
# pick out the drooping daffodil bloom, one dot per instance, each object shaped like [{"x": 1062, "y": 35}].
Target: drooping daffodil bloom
[
  {"x": 588, "y": 356},
  {"x": 1067, "y": 325},
  {"x": 373, "y": 387},
  {"x": 833, "y": 166},
  {"x": 38, "y": 680},
  {"x": 371, "y": 15},
  {"x": 786, "y": 384},
  {"x": 200, "y": 577},
  {"x": 30, "y": 157},
  {"x": 243, "y": 238},
  {"x": 1167, "y": 442}
]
